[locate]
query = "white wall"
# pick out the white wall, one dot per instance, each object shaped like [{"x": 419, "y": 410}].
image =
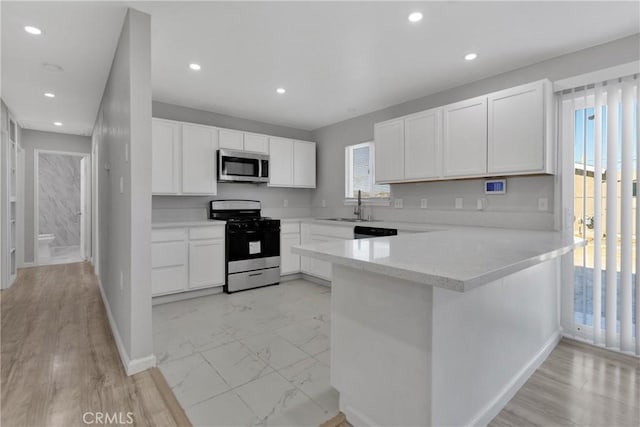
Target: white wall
[
  {"x": 32, "y": 140},
  {"x": 167, "y": 208},
  {"x": 518, "y": 208},
  {"x": 124, "y": 139}
]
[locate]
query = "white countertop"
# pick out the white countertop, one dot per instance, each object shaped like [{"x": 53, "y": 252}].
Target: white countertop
[
  {"x": 455, "y": 259},
  {"x": 202, "y": 223}
]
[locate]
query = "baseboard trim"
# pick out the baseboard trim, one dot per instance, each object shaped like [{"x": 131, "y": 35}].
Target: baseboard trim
[
  {"x": 131, "y": 366},
  {"x": 316, "y": 280},
  {"x": 493, "y": 408},
  {"x": 27, "y": 264},
  {"x": 180, "y": 296},
  {"x": 353, "y": 416}
]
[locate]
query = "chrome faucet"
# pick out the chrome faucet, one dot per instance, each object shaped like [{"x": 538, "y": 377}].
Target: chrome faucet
[{"x": 357, "y": 211}]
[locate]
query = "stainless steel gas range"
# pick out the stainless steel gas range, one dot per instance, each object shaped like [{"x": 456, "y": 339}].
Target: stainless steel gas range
[{"x": 252, "y": 244}]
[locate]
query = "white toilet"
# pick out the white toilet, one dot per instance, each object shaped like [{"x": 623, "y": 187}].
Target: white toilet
[{"x": 44, "y": 246}]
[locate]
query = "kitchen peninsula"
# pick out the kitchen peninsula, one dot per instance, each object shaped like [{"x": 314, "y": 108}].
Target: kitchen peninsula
[{"x": 440, "y": 328}]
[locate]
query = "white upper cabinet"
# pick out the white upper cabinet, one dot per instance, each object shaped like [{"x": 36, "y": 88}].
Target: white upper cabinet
[
  {"x": 256, "y": 143},
  {"x": 292, "y": 163},
  {"x": 517, "y": 130},
  {"x": 165, "y": 148},
  {"x": 280, "y": 162},
  {"x": 231, "y": 139},
  {"x": 504, "y": 133},
  {"x": 465, "y": 138},
  {"x": 423, "y": 145},
  {"x": 304, "y": 164},
  {"x": 389, "y": 150},
  {"x": 199, "y": 145}
]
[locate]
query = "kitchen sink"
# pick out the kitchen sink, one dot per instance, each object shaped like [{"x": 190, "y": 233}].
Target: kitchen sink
[{"x": 350, "y": 220}]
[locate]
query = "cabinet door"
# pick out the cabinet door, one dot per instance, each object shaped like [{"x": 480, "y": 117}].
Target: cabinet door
[
  {"x": 169, "y": 267},
  {"x": 389, "y": 151},
  {"x": 423, "y": 145},
  {"x": 206, "y": 263},
  {"x": 304, "y": 164},
  {"x": 199, "y": 144},
  {"x": 289, "y": 262},
  {"x": 465, "y": 138},
  {"x": 256, "y": 143},
  {"x": 280, "y": 162},
  {"x": 516, "y": 130},
  {"x": 231, "y": 139},
  {"x": 165, "y": 157}
]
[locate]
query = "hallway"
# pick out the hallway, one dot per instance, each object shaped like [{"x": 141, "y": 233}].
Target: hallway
[{"x": 59, "y": 362}]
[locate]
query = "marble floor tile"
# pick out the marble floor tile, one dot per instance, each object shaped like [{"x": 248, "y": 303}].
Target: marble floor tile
[
  {"x": 312, "y": 377},
  {"x": 236, "y": 363},
  {"x": 307, "y": 336},
  {"x": 274, "y": 349},
  {"x": 226, "y": 410},
  {"x": 324, "y": 357},
  {"x": 258, "y": 358},
  {"x": 277, "y": 402},
  {"x": 169, "y": 346},
  {"x": 193, "y": 380}
]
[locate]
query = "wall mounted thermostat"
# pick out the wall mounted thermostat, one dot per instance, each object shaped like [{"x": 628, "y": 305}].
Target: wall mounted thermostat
[{"x": 495, "y": 186}]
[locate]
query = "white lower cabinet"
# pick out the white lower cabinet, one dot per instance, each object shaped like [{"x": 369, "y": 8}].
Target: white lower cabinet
[
  {"x": 206, "y": 263},
  {"x": 316, "y": 234},
  {"x": 183, "y": 259},
  {"x": 289, "y": 237}
]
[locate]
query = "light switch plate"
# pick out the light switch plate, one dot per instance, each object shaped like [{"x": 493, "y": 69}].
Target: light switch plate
[
  {"x": 397, "y": 203},
  {"x": 543, "y": 204},
  {"x": 324, "y": 203},
  {"x": 121, "y": 185},
  {"x": 481, "y": 204},
  {"x": 459, "y": 203},
  {"x": 126, "y": 153},
  {"x": 424, "y": 204}
]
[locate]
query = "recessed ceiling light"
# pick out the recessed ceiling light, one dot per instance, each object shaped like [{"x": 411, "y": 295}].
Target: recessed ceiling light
[
  {"x": 50, "y": 95},
  {"x": 194, "y": 66},
  {"x": 57, "y": 123},
  {"x": 33, "y": 30},
  {"x": 415, "y": 17},
  {"x": 470, "y": 56},
  {"x": 281, "y": 90}
]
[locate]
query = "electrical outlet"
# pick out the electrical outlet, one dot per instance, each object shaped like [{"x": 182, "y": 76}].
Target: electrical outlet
[
  {"x": 423, "y": 204},
  {"x": 543, "y": 204},
  {"x": 121, "y": 280},
  {"x": 121, "y": 185},
  {"x": 459, "y": 203},
  {"x": 285, "y": 203},
  {"x": 324, "y": 203},
  {"x": 126, "y": 153},
  {"x": 397, "y": 203},
  {"x": 480, "y": 204}
]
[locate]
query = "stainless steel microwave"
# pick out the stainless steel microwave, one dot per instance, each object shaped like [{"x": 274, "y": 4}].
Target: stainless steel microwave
[{"x": 242, "y": 166}]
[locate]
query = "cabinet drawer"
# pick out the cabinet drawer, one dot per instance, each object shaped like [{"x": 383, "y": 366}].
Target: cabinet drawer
[
  {"x": 165, "y": 254},
  {"x": 289, "y": 227},
  {"x": 167, "y": 234},
  {"x": 206, "y": 233}
]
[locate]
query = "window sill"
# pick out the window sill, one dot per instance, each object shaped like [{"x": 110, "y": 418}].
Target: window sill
[{"x": 368, "y": 202}]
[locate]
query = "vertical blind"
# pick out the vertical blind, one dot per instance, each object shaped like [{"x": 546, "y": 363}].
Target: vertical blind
[{"x": 605, "y": 122}]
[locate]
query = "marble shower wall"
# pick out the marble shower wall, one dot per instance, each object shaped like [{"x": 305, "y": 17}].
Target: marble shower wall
[{"x": 59, "y": 197}]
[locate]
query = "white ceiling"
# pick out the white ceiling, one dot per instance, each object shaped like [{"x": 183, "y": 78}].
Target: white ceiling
[
  {"x": 77, "y": 36},
  {"x": 336, "y": 60}
]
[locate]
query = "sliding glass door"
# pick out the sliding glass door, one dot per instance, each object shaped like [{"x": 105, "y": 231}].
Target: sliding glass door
[{"x": 602, "y": 124}]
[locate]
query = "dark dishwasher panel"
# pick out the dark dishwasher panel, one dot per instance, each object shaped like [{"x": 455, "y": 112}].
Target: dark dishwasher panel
[{"x": 361, "y": 232}]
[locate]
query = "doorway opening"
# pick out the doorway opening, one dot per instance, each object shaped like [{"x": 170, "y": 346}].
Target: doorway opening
[{"x": 62, "y": 207}]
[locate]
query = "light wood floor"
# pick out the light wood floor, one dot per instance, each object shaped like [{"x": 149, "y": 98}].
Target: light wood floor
[
  {"x": 578, "y": 385},
  {"x": 59, "y": 359}
]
